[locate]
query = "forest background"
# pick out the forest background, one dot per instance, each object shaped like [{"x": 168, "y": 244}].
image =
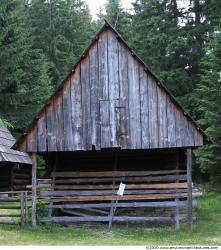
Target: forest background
[{"x": 40, "y": 40}]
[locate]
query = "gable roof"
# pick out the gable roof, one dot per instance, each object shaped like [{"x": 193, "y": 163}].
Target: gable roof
[
  {"x": 6, "y": 153},
  {"x": 24, "y": 138}
]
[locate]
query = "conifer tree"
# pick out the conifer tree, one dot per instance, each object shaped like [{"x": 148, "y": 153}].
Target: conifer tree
[
  {"x": 23, "y": 70},
  {"x": 209, "y": 97},
  {"x": 62, "y": 29}
]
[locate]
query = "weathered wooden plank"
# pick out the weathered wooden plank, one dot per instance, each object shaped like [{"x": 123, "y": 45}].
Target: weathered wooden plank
[
  {"x": 191, "y": 131},
  {"x": 51, "y": 137},
  {"x": 113, "y": 66},
  {"x": 76, "y": 110},
  {"x": 41, "y": 138},
  {"x": 32, "y": 140},
  {"x": 171, "y": 123},
  {"x": 113, "y": 123},
  {"x": 127, "y": 180},
  {"x": 119, "y": 198},
  {"x": 104, "y": 218},
  {"x": 179, "y": 128},
  {"x": 129, "y": 186},
  {"x": 198, "y": 138},
  {"x": 123, "y": 204},
  {"x": 189, "y": 183},
  {"x": 122, "y": 112},
  {"x": 10, "y": 215},
  {"x": 34, "y": 189},
  {"x": 22, "y": 208},
  {"x": 107, "y": 192},
  {"x": 134, "y": 102},
  {"x": 66, "y": 102},
  {"x": 86, "y": 103},
  {"x": 144, "y": 108},
  {"x": 105, "y": 124},
  {"x": 152, "y": 104},
  {"x": 121, "y": 126},
  {"x": 162, "y": 117},
  {"x": 94, "y": 84},
  {"x": 59, "y": 119},
  {"x": 103, "y": 66},
  {"x": 114, "y": 173}
]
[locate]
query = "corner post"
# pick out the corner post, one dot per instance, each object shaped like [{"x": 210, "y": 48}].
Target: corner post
[
  {"x": 189, "y": 184},
  {"x": 34, "y": 189}
]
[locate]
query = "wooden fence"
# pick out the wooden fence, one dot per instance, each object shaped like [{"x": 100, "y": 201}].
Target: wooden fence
[
  {"x": 92, "y": 196},
  {"x": 16, "y": 202}
]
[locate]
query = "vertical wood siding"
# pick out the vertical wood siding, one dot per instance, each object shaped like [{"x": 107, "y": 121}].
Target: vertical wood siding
[{"x": 110, "y": 100}]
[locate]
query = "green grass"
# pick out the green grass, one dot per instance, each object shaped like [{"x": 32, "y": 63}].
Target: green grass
[{"x": 206, "y": 231}]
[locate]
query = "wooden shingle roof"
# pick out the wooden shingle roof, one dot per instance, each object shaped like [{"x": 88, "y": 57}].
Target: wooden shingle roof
[{"x": 6, "y": 153}]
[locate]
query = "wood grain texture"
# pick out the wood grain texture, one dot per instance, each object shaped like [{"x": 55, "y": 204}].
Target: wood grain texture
[
  {"x": 111, "y": 100},
  {"x": 76, "y": 111}
]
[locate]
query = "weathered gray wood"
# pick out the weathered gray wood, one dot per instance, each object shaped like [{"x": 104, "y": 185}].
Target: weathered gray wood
[
  {"x": 66, "y": 101},
  {"x": 103, "y": 67},
  {"x": 34, "y": 189},
  {"x": 162, "y": 118},
  {"x": 177, "y": 216},
  {"x": 144, "y": 108},
  {"x": 10, "y": 215},
  {"x": 9, "y": 222},
  {"x": 86, "y": 103},
  {"x": 104, "y": 218},
  {"x": 134, "y": 102},
  {"x": 106, "y": 192},
  {"x": 191, "y": 131},
  {"x": 94, "y": 84},
  {"x": 127, "y": 180},
  {"x": 51, "y": 138},
  {"x": 179, "y": 129},
  {"x": 171, "y": 123},
  {"x": 26, "y": 206},
  {"x": 76, "y": 109},
  {"x": 122, "y": 112},
  {"x": 32, "y": 140},
  {"x": 129, "y": 186},
  {"x": 189, "y": 182},
  {"x": 41, "y": 139},
  {"x": 117, "y": 197},
  {"x": 152, "y": 104},
  {"x": 59, "y": 120},
  {"x": 22, "y": 208},
  {"x": 113, "y": 123},
  {"x": 124, "y": 204},
  {"x": 115, "y": 173},
  {"x": 105, "y": 124},
  {"x": 113, "y": 66}
]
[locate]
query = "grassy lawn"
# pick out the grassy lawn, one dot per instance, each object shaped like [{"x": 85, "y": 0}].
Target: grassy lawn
[{"x": 206, "y": 231}]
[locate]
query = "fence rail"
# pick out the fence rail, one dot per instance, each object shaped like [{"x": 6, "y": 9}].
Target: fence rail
[{"x": 16, "y": 204}]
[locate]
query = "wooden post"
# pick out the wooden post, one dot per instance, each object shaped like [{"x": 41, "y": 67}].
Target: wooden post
[
  {"x": 189, "y": 183},
  {"x": 34, "y": 189},
  {"x": 177, "y": 210},
  {"x": 26, "y": 207},
  {"x": 22, "y": 207}
]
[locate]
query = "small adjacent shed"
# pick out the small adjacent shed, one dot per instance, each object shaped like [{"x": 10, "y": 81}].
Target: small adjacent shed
[
  {"x": 15, "y": 166},
  {"x": 111, "y": 121}
]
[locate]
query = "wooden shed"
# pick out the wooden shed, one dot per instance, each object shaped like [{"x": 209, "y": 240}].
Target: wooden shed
[
  {"x": 15, "y": 166},
  {"x": 112, "y": 121}
]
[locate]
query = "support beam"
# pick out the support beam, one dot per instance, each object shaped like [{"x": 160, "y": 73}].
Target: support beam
[
  {"x": 34, "y": 188},
  {"x": 189, "y": 183}
]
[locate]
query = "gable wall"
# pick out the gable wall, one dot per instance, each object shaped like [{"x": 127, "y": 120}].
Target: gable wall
[{"x": 110, "y": 101}]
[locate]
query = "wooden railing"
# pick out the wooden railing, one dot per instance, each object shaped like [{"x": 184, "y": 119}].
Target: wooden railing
[
  {"x": 92, "y": 196},
  {"x": 16, "y": 205}
]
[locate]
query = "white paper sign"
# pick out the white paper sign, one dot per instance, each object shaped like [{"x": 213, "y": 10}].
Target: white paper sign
[{"x": 121, "y": 189}]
